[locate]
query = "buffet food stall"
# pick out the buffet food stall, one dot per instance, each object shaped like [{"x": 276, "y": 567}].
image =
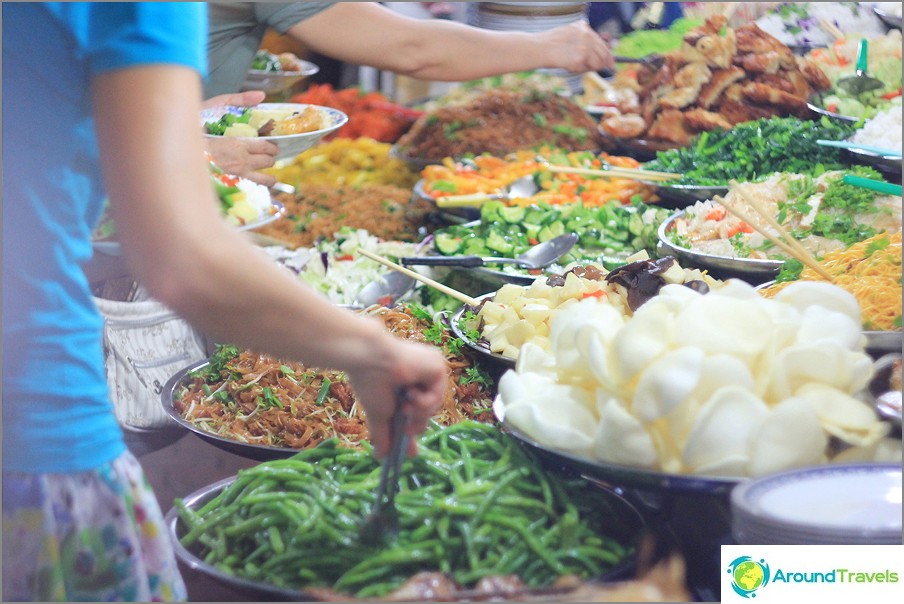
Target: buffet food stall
[{"x": 728, "y": 311}]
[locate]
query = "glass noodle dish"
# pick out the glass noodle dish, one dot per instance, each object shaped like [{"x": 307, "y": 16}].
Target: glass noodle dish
[{"x": 822, "y": 212}]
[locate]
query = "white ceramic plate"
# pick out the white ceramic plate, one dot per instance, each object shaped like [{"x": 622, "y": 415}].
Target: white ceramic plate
[
  {"x": 857, "y": 503},
  {"x": 289, "y": 145},
  {"x": 277, "y": 210}
]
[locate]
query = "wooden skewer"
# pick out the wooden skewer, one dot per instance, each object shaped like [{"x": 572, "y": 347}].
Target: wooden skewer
[
  {"x": 616, "y": 173},
  {"x": 460, "y": 296},
  {"x": 783, "y": 241},
  {"x": 831, "y": 28}
]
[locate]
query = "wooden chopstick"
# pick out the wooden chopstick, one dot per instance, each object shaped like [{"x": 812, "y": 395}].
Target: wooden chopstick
[
  {"x": 784, "y": 240},
  {"x": 616, "y": 173},
  {"x": 831, "y": 28},
  {"x": 460, "y": 296}
]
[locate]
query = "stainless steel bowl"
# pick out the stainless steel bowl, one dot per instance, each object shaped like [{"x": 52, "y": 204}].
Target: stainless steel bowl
[
  {"x": 676, "y": 196},
  {"x": 624, "y": 476},
  {"x": 751, "y": 270},
  {"x": 169, "y": 394},
  {"x": 888, "y": 164}
]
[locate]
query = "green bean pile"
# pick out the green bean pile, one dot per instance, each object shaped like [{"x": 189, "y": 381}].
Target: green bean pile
[{"x": 471, "y": 504}]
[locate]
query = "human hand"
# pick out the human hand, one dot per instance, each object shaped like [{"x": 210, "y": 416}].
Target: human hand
[
  {"x": 418, "y": 368},
  {"x": 237, "y": 99},
  {"x": 243, "y": 157},
  {"x": 577, "y": 48}
]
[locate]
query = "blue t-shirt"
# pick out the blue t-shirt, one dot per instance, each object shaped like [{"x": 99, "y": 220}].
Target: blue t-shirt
[{"x": 57, "y": 415}]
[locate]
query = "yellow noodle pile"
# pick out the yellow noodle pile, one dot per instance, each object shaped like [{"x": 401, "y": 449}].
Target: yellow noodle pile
[{"x": 871, "y": 270}]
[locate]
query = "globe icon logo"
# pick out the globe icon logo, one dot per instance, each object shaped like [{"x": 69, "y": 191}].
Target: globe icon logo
[{"x": 748, "y": 575}]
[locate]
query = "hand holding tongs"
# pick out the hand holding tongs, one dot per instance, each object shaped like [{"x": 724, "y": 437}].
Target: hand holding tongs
[{"x": 383, "y": 520}]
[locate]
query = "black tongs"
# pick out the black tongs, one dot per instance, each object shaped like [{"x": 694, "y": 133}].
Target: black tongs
[{"x": 383, "y": 521}]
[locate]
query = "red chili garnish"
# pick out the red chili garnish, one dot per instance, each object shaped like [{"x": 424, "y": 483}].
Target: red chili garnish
[{"x": 345, "y": 257}]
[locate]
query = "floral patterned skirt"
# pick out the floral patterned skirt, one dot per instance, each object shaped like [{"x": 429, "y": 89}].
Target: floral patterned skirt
[{"x": 88, "y": 536}]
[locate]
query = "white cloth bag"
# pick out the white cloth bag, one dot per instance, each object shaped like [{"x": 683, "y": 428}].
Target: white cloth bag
[{"x": 145, "y": 344}]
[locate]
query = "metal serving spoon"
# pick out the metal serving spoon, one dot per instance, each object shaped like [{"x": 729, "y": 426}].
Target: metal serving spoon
[
  {"x": 538, "y": 256},
  {"x": 653, "y": 61},
  {"x": 521, "y": 187},
  {"x": 384, "y": 290},
  {"x": 859, "y": 82}
]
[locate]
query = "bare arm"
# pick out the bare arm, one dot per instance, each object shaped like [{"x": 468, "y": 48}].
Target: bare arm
[
  {"x": 184, "y": 252},
  {"x": 366, "y": 33}
]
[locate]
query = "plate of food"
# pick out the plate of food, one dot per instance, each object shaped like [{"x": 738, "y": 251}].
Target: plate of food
[
  {"x": 245, "y": 204},
  {"x": 327, "y": 559},
  {"x": 275, "y": 73},
  {"x": 293, "y": 127},
  {"x": 261, "y": 407}
]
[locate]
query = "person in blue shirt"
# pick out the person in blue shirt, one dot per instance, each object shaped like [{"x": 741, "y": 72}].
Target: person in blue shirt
[{"x": 102, "y": 99}]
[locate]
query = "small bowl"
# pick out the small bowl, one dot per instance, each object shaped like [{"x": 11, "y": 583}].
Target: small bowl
[
  {"x": 752, "y": 270},
  {"x": 274, "y": 82},
  {"x": 289, "y": 145}
]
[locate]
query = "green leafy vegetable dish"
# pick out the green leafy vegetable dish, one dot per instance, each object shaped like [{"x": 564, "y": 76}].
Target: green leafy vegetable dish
[{"x": 751, "y": 151}]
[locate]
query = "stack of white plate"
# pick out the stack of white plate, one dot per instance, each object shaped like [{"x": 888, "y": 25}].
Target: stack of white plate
[
  {"x": 831, "y": 504},
  {"x": 531, "y": 17}
]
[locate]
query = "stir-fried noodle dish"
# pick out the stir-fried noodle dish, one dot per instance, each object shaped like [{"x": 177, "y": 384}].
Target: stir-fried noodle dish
[{"x": 258, "y": 399}]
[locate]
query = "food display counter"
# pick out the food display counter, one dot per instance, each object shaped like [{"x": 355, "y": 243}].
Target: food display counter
[{"x": 729, "y": 310}]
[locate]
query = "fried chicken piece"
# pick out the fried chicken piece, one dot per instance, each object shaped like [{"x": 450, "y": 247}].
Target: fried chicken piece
[
  {"x": 688, "y": 81},
  {"x": 737, "y": 111},
  {"x": 768, "y": 95},
  {"x": 629, "y": 125},
  {"x": 792, "y": 82},
  {"x": 671, "y": 126},
  {"x": 720, "y": 80},
  {"x": 777, "y": 80},
  {"x": 712, "y": 26},
  {"x": 814, "y": 74},
  {"x": 701, "y": 119},
  {"x": 733, "y": 92},
  {"x": 767, "y": 62},
  {"x": 751, "y": 39},
  {"x": 715, "y": 50}
]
